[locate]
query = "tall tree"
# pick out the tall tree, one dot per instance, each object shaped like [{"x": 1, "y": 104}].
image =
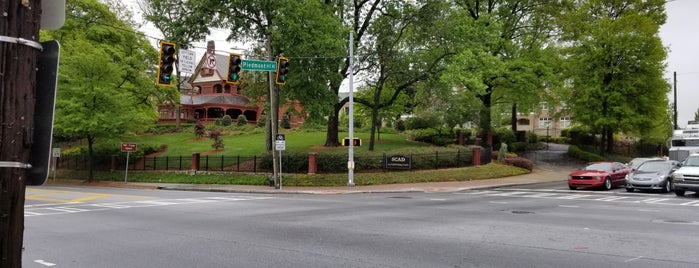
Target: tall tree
[
  {"x": 504, "y": 57},
  {"x": 103, "y": 89},
  {"x": 616, "y": 64},
  {"x": 307, "y": 32},
  {"x": 409, "y": 45}
]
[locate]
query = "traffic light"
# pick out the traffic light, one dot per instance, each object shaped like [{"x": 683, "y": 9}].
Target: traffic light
[
  {"x": 356, "y": 142},
  {"x": 282, "y": 70},
  {"x": 165, "y": 63},
  {"x": 234, "y": 61}
]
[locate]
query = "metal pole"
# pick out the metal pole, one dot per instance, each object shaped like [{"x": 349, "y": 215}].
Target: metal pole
[
  {"x": 674, "y": 74},
  {"x": 280, "y": 170},
  {"x": 350, "y": 160},
  {"x": 126, "y": 172}
]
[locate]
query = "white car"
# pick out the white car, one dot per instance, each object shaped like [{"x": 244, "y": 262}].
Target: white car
[{"x": 686, "y": 178}]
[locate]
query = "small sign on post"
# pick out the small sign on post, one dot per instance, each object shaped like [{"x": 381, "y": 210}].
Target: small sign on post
[
  {"x": 187, "y": 61},
  {"x": 127, "y": 148}
]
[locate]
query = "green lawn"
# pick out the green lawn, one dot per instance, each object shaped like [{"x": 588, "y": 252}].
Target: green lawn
[{"x": 185, "y": 143}]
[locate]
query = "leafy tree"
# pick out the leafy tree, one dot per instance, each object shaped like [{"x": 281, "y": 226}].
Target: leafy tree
[
  {"x": 696, "y": 115},
  {"x": 615, "y": 58},
  {"x": 306, "y": 31},
  {"x": 505, "y": 55},
  {"x": 103, "y": 90}
]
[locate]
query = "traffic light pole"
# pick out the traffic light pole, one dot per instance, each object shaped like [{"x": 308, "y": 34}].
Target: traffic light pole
[{"x": 273, "y": 116}]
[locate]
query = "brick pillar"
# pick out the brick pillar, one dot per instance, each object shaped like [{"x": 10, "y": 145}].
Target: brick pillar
[
  {"x": 476, "y": 156},
  {"x": 195, "y": 161},
  {"x": 489, "y": 138},
  {"x": 312, "y": 163},
  {"x": 460, "y": 138},
  {"x": 477, "y": 142}
]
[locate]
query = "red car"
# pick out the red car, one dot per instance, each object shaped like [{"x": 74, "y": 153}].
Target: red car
[{"x": 603, "y": 175}]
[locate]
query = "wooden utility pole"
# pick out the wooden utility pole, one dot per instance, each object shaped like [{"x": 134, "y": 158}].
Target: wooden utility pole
[{"x": 19, "y": 50}]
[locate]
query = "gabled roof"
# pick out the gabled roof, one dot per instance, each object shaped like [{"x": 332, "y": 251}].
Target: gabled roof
[{"x": 219, "y": 73}]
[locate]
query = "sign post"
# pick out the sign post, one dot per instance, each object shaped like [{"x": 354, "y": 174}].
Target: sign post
[
  {"x": 56, "y": 153},
  {"x": 280, "y": 145},
  {"x": 128, "y": 148}
]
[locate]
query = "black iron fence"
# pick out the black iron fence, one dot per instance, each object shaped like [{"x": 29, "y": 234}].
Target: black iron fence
[{"x": 291, "y": 163}]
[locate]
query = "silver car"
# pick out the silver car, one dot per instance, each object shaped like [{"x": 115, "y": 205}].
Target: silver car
[{"x": 652, "y": 175}]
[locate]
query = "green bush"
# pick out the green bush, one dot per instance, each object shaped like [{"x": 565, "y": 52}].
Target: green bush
[
  {"x": 262, "y": 121},
  {"x": 517, "y": 147},
  {"x": 579, "y": 135},
  {"x": 399, "y": 125},
  {"x": 226, "y": 120},
  {"x": 439, "y": 137},
  {"x": 532, "y": 137},
  {"x": 286, "y": 124},
  {"x": 242, "y": 121},
  {"x": 576, "y": 152}
]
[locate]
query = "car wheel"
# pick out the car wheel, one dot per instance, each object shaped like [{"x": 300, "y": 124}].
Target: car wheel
[
  {"x": 607, "y": 184},
  {"x": 679, "y": 192},
  {"x": 668, "y": 187},
  {"x": 572, "y": 187},
  {"x": 629, "y": 189}
]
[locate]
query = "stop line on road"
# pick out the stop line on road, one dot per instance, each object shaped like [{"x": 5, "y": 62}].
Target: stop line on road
[
  {"x": 54, "y": 209},
  {"x": 568, "y": 195}
]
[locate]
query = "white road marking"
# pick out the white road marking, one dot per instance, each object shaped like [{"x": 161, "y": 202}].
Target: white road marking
[
  {"x": 438, "y": 199},
  {"x": 43, "y": 211},
  {"x": 45, "y": 263},
  {"x": 568, "y": 206},
  {"x": 497, "y": 202},
  {"x": 633, "y": 259}
]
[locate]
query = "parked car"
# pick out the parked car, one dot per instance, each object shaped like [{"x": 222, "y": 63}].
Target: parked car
[
  {"x": 652, "y": 175},
  {"x": 686, "y": 178},
  {"x": 636, "y": 162},
  {"x": 603, "y": 175}
]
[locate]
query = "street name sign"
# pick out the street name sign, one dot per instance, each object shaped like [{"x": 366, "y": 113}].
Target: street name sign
[{"x": 259, "y": 65}]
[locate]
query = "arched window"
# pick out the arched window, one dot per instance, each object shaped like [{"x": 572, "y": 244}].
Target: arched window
[{"x": 218, "y": 89}]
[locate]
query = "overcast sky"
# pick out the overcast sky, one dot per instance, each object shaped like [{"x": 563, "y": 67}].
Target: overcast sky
[{"x": 679, "y": 35}]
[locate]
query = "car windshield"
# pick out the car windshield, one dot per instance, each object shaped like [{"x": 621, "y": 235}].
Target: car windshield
[
  {"x": 654, "y": 166},
  {"x": 599, "y": 166},
  {"x": 692, "y": 161},
  {"x": 637, "y": 162}
]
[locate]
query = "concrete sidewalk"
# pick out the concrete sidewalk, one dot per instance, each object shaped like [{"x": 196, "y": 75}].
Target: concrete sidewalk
[{"x": 541, "y": 173}]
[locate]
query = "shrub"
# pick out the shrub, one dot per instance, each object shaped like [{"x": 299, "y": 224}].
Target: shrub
[
  {"x": 517, "y": 147},
  {"x": 578, "y": 135},
  {"x": 519, "y": 162},
  {"x": 532, "y": 137},
  {"x": 433, "y": 136},
  {"x": 242, "y": 120},
  {"x": 505, "y": 135},
  {"x": 226, "y": 120},
  {"x": 262, "y": 121},
  {"x": 286, "y": 124},
  {"x": 576, "y": 152},
  {"x": 399, "y": 125},
  {"x": 199, "y": 129},
  {"x": 215, "y": 135}
]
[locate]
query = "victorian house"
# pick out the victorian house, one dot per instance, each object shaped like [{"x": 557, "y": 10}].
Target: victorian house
[{"x": 207, "y": 96}]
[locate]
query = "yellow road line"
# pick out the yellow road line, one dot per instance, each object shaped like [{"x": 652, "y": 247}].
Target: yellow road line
[{"x": 92, "y": 197}]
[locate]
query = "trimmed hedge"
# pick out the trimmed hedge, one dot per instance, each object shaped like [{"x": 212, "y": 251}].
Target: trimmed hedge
[{"x": 576, "y": 152}]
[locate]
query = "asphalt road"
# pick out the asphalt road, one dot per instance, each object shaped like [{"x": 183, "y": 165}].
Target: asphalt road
[{"x": 534, "y": 226}]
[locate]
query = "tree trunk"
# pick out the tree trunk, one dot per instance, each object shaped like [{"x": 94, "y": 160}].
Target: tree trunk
[
  {"x": 331, "y": 137},
  {"x": 484, "y": 116},
  {"x": 513, "y": 118},
  {"x": 374, "y": 116},
  {"x": 18, "y": 64}
]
